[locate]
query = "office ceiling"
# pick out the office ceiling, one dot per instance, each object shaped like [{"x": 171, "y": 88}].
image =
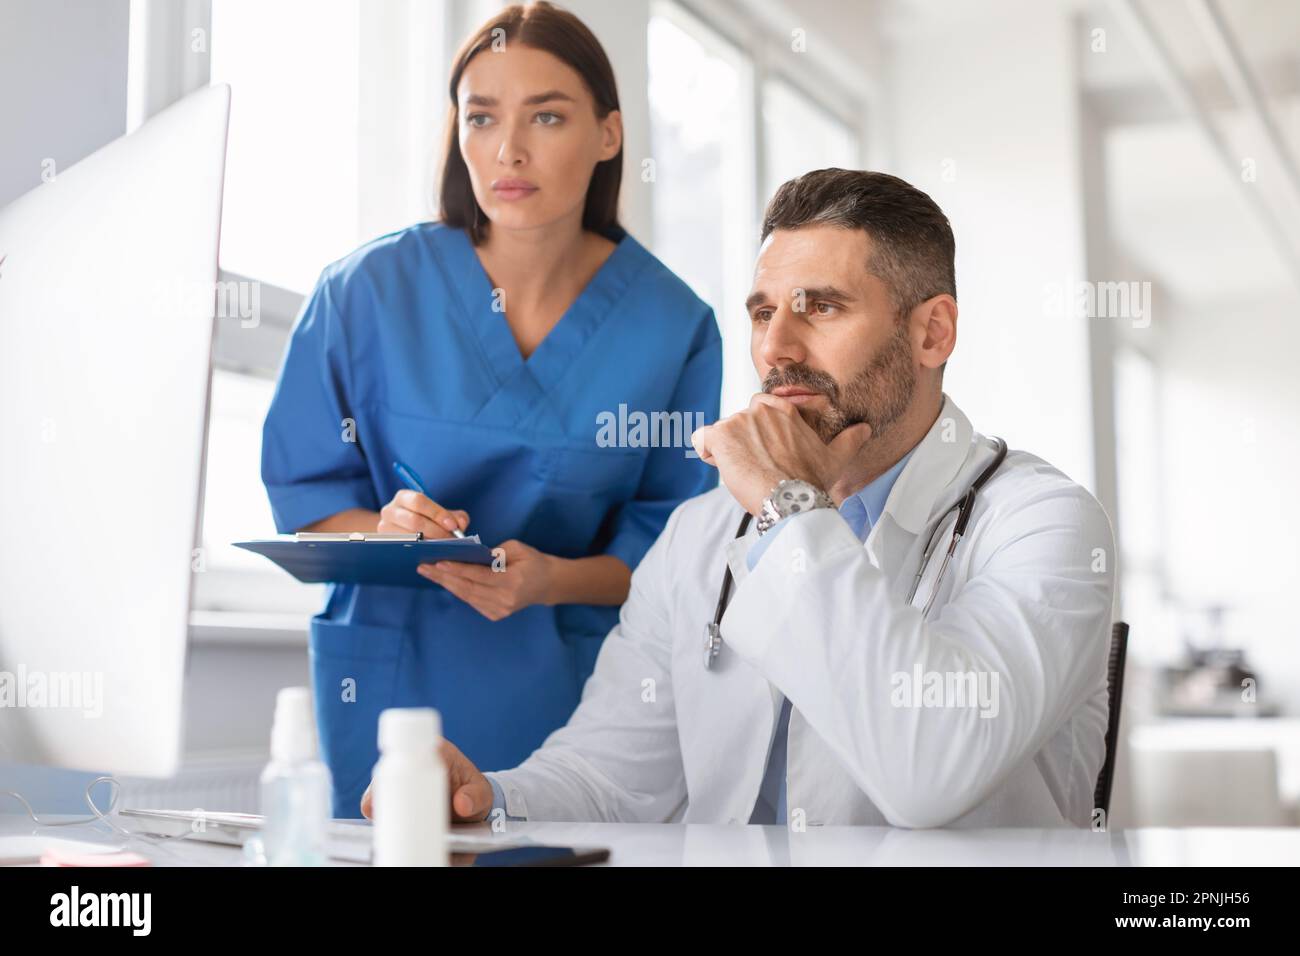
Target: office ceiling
[
  {"x": 1203, "y": 201},
  {"x": 1177, "y": 205}
]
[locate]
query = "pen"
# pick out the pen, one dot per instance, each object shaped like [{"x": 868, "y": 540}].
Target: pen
[{"x": 412, "y": 481}]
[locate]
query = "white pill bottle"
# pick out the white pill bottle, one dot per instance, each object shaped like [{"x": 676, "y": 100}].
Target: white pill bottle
[{"x": 409, "y": 790}]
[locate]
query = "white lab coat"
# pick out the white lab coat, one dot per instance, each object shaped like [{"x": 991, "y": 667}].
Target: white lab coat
[{"x": 823, "y": 619}]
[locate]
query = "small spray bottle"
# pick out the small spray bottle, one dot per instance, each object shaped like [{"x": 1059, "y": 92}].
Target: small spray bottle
[{"x": 295, "y": 787}]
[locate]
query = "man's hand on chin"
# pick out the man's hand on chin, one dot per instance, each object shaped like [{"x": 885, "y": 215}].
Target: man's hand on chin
[
  {"x": 768, "y": 442},
  {"x": 469, "y": 793}
]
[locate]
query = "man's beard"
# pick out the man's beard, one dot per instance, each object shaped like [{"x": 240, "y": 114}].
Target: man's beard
[{"x": 878, "y": 395}]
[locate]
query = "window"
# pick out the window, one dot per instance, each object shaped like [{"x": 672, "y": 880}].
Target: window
[
  {"x": 1140, "y": 530},
  {"x": 291, "y": 161},
  {"x": 700, "y": 89},
  {"x": 724, "y": 134},
  {"x": 336, "y": 111},
  {"x": 800, "y": 136},
  {"x": 236, "y": 508}
]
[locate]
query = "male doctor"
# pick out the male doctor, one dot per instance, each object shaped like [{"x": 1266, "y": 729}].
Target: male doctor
[{"x": 833, "y": 698}]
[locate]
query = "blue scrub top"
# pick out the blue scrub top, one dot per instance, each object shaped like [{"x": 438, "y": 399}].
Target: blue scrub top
[{"x": 402, "y": 353}]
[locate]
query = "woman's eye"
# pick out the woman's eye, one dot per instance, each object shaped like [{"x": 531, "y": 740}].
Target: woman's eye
[
  {"x": 474, "y": 119},
  {"x": 548, "y": 119}
]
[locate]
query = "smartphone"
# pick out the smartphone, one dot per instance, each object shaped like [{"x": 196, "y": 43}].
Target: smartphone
[{"x": 534, "y": 856}]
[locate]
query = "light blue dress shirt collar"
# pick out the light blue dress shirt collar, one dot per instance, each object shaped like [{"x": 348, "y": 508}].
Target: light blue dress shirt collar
[{"x": 874, "y": 495}]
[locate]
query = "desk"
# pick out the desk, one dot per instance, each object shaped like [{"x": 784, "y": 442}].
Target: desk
[{"x": 667, "y": 844}]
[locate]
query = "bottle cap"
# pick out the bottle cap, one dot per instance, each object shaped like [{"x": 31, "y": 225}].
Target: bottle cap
[
  {"x": 409, "y": 729},
  {"x": 293, "y": 732}
]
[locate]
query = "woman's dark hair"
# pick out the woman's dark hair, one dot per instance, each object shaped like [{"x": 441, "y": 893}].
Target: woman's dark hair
[{"x": 541, "y": 26}]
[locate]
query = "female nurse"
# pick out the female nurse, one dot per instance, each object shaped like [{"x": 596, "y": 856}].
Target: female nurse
[{"x": 485, "y": 351}]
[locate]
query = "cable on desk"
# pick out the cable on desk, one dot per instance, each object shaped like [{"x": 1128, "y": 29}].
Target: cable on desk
[{"x": 99, "y": 816}]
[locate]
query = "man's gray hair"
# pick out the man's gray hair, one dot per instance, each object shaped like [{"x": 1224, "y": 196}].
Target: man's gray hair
[{"x": 913, "y": 244}]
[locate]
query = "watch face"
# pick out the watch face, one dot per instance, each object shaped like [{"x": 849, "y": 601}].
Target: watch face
[{"x": 793, "y": 499}]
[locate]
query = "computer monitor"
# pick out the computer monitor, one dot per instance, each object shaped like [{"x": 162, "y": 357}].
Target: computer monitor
[{"x": 107, "y": 285}]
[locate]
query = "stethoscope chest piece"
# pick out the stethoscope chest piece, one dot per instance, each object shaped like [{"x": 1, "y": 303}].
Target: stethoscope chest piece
[
  {"x": 713, "y": 630},
  {"x": 712, "y": 643}
]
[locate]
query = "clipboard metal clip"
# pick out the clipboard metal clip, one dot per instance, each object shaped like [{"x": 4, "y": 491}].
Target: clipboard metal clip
[{"x": 357, "y": 536}]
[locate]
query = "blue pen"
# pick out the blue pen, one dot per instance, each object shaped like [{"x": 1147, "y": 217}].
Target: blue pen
[{"x": 412, "y": 481}]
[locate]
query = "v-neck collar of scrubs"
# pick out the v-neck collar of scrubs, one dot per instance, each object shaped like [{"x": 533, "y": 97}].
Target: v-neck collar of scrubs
[{"x": 556, "y": 353}]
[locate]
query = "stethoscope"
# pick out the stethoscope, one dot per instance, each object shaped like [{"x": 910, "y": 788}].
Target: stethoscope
[{"x": 713, "y": 631}]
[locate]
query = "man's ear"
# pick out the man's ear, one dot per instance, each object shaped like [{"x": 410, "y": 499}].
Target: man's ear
[{"x": 934, "y": 326}]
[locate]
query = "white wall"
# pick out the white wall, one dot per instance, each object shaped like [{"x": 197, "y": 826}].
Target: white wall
[
  {"x": 983, "y": 115},
  {"x": 63, "y": 73}
]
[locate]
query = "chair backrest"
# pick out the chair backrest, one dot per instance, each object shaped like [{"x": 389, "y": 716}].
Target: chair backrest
[{"x": 1115, "y": 690}]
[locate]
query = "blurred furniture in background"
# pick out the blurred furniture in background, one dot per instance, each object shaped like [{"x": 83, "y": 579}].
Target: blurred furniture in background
[
  {"x": 1214, "y": 679},
  {"x": 1216, "y": 772}
]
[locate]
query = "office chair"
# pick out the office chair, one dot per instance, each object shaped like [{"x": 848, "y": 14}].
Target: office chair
[{"x": 1115, "y": 691}]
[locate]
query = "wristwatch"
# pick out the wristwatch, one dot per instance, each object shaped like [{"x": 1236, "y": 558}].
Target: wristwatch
[{"x": 789, "y": 497}]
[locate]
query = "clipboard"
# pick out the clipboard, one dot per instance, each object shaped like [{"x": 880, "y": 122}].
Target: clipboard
[{"x": 317, "y": 557}]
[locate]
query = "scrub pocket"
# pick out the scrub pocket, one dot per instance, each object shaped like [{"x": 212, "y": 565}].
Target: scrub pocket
[
  {"x": 581, "y": 469},
  {"x": 354, "y": 676},
  {"x": 578, "y": 488}
]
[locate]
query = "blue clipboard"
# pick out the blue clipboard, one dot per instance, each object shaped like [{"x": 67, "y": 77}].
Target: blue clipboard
[{"x": 385, "y": 559}]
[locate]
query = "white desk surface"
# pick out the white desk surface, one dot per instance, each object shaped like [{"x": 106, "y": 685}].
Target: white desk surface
[{"x": 722, "y": 845}]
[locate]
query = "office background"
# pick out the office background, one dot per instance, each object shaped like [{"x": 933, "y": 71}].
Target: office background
[{"x": 1074, "y": 145}]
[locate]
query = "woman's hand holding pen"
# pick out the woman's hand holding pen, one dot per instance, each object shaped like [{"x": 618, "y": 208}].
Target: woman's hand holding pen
[{"x": 410, "y": 511}]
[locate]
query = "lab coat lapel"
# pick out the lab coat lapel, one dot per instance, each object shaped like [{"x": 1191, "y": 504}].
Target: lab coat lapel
[
  {"x": 937, "y": 461},
  {"x": 731, "y": 735},
  {"x": 731, "y": 743}
]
